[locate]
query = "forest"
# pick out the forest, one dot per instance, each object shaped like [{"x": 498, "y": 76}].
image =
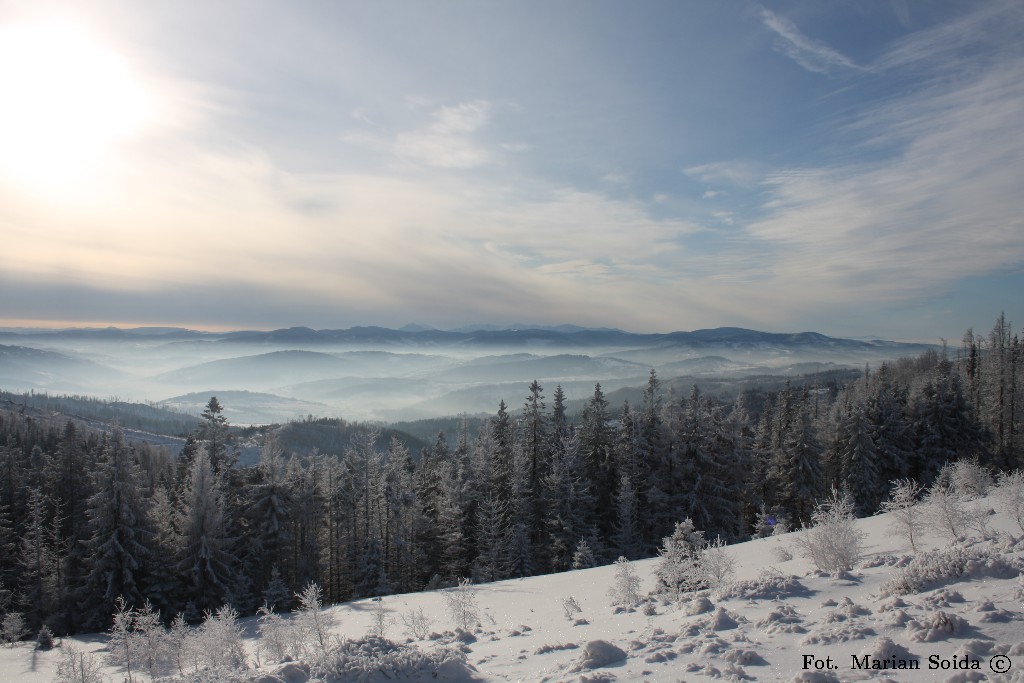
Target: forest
[{"x": 88, "y": 517}]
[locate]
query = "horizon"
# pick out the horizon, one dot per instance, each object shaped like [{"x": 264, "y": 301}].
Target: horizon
[
  {"x": 805, "y": 167},
  {"x": 15, "y": 328}
]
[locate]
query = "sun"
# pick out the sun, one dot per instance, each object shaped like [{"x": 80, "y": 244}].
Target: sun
[{"x": 67, "y": 102}]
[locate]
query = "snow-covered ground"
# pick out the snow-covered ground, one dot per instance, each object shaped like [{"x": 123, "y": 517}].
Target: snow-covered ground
[{"x": 780, "y": 621}]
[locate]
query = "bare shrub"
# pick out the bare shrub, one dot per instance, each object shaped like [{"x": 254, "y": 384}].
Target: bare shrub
[{"x": 417, "y": 623}]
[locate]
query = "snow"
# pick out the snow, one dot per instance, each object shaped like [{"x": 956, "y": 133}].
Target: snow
[{"x": 777, "y": 621}]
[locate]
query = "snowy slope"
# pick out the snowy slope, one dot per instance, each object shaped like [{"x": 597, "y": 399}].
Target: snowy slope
[{"x": 779, "y": 614}]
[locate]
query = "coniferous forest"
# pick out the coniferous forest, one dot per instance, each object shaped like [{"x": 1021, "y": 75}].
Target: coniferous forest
[{"x": 87, "y": 516}]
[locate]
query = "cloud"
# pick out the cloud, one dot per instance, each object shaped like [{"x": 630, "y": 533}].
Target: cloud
[
  {"x": 447, "y": 142},
  {"x": 738, "y": 173},
  {"x": 942, "y": 205},
  {"x": 811, "y": 54}
]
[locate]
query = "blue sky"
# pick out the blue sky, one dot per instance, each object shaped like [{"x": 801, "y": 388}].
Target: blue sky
[{"x": 850, "y": 168}]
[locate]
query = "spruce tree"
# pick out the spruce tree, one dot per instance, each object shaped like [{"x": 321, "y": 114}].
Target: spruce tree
[
  {"x": 118, "y": 550},
  {"x": 206, "y": 563}
]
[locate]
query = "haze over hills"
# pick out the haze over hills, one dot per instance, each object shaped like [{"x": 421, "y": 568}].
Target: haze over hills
[{"x": 413, "y": 372}]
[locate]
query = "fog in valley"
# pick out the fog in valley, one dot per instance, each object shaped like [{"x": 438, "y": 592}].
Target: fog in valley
[{"x": 377, "y": 374}]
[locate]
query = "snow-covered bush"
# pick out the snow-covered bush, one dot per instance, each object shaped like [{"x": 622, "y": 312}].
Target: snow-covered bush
[
  {"x": 907, "y": 516},
  {"x": 678, "y": 570},
  {"x": 12, "y": 628},
  {"x": 417, "y": 623},
  {"x": 771, "y": 584},
  {"x": 44, "y": 639},
  {"x": 275, "y": 634},
  {"x": 179, "y": 644},
  {"x": 948, "y": 512},
  {"x": 120, "y": 644},
  {"x": 571, "y": 608},
  {"x": 625, "y": 588},
  {"x": 376, "y": 658},
  {"x": 381, "y": 621},
  {"x": 781, "y": 553},
  {"x": 78, "y": 666},
  {"x": 312, "y": 622},
  {"x": 967, "y": 478},
  {"x": 833, "y": 543},
  {"x": 770, "y": 523},
  {"x": 148, "y": 640},
  {"x": 462, "y": 606},
  {"x": 931, "y": 569},
  {"x": 1009, "y": 494},
  {"x": 583, "y": 558},
  {"x": 716, "y": 565},
  {"x": 219, "y": 640}
]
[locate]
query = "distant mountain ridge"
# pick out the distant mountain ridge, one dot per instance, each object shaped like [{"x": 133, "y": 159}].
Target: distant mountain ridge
[{"x": 483, "y": 335}]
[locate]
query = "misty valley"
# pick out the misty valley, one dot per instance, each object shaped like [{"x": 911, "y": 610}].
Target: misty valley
[{"x": 378, "y": 374}]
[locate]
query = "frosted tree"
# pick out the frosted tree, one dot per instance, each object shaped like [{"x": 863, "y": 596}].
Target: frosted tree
[
  {"x": 38, "y": 582},
  {"x": 677, "y": 570},
  {"x": 206, "y": 563},
  {"x": 1010, "y": 495},
  {"x": 860, "y": 460},
  {"x": 313, "y": 622},
  {"x": 215, "y": 434},
  {"x": 583, "y": 556},
  {"x": 492, "y": 535},
  {"x": 269, "y": 515},
  {"x": 833, "y": 543},
  {"x": 462, "y": 605},
  {"x": 625, "y": 588},
  {"x": 596, "y": 441},
  {"x": 521, "y": 507},
  {"x": 627, "y": 539},
  {"x": 118, "y": 549},
  {"x": 569, "y": 505},
  {"x": 908, "y": 519}
]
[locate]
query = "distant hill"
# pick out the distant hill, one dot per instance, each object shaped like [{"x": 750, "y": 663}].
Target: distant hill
[{"x": 24, "y": 368}]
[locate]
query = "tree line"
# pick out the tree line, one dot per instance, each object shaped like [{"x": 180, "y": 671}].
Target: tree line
[{"x": 88, "y": 517}]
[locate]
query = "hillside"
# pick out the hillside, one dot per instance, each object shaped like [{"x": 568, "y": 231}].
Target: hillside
[{"x": 777, "y": 620}]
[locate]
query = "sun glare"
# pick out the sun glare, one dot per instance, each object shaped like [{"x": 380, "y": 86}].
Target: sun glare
[{"x": 67, "y": 100}]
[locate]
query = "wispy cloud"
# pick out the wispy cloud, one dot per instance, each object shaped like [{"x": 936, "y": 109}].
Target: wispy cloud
[
  {"x": 944, "y": 204},
  {"x": 739, "y": 173},
  {"x": 447, "y": 141},
  {"x": 811, "y": 54}
]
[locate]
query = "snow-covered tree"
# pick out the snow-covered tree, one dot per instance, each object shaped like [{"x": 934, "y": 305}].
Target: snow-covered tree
[
  {"x": 118, "y": 550},
  {"x": 206, "y": 563},
  {"x": 677, "y": 570},
  {"x": 625, "y": 588},
  {"x": 907, "y": 515}
]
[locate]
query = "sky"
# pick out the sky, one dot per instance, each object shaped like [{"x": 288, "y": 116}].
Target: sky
[{"x": 850, "y": 168}]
